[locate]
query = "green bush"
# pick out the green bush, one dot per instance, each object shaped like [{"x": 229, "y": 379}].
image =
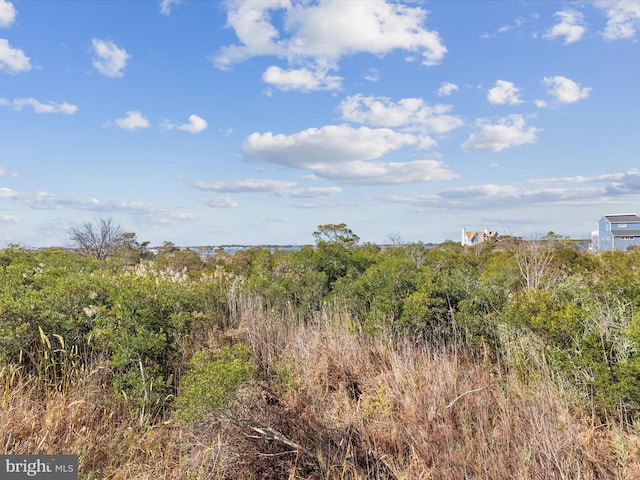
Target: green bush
[{"x": 212, "y": 380}]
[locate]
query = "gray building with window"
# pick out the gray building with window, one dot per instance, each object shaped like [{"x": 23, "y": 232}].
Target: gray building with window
[{"x": 617, "y": 232}]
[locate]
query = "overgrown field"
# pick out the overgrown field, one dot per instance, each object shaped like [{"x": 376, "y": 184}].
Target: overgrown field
[{"x": 516, "y": 359}]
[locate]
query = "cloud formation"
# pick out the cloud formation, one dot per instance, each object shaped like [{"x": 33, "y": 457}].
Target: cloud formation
[
  {"x": 565, "y": 90},
  {"x": 109, "y": 60},
  {"x": 165, "y": 6},
  {"x": 516, "y": 25},
  {"x": 623, "y": 18},
  {"x": 219, "y": 202},
  {"x": 302, "y": 79},
  {"x": 573, "y": 191},
  {"x": 7, "y": 13},
  {"x": 332, "y": 143},
  {"x": 250, "y": 185},
  {"x": 39, "y": 107},
  {"x": 571, "y": 26},
  {"x": 407, "y": 114},
  {"x": 50, "y": 201},
  {"x": 132, "y": 121},
  {"x": 5, "y": 173},
  {"x": 279, "y": 188},
  {"x": 196, "y": 125},
  {"x": 504, "y": 93},
  {"x": 345, "y": 154},
  {"x": 13, "y": 60},
  {"x": 446, "y": 89},
  {"x": 508, "y": 132},
  {"x": 319, "y": 34}
]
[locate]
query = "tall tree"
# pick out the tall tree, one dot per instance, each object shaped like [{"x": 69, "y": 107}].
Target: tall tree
[
  {"x": 100, "y": 239},
  {"x": 336, "y": 233}
]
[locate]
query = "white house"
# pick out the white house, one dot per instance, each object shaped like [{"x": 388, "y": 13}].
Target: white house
[{"x": 474, "y": 238}]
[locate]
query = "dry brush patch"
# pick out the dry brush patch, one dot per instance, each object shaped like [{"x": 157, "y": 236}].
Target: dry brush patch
[
  {"x": 379, "y": 408},
  {"x": 89, "y": 420}
]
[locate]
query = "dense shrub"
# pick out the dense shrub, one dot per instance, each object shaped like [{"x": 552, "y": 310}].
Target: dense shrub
[{"x": 214, "y": 375}]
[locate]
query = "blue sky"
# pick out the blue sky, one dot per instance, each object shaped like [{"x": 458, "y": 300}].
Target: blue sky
[{"x": 215, "y": 122}]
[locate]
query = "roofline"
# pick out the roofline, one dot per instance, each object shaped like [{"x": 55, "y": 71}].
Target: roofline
[{"x": 613, "y": 216}]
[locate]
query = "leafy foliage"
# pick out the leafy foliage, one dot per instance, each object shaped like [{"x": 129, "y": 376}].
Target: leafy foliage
[{"x": 213, "y": 378}]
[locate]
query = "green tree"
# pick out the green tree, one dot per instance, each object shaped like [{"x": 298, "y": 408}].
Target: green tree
[{"x": 336, "y": 233}]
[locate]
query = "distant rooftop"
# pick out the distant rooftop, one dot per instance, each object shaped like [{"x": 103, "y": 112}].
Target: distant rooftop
[{"x": 624, "y": 218}]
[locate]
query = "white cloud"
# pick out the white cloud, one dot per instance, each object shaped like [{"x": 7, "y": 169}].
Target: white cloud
[
  {"x": 110, "y": 60},
  {"x": 571, "y": 26},
  {"x": 7, "y": 13},
  {"x": 8, "y": 193},
  {"x": 372, "y": 75},
  {"x": 301, "y": 79},
  {"x": 5, "y": 173},
  {"x": 47, "y": 201},
  {"x": 50, "y": 201},
  {"x": 504, "y": 197},
  {"x": 517, "y": 24},
  {"x": 345, "y": 154},
  {"x": 623, "y": 18},
  {"x": 447, "y": 88},
  {"x": 13, "y": 60},
  {"x": 385, "y": 173},
  {"x": 196, "y": 125},
  {"x": 505, "y": 28},
  {"x": 332, "y": 143},
  {"x": 509, "y": 132},
  {"x": 504, "y": 93},
  {"x": 250, "y": 185},
  {"x": 565, "y": 191},
  {"x": 327, "y": 30},
  {"x": 280, "y": 188},
  {"x": 410, "y": 114},
  {"x": 220, "y": 202},
  {"x": 165, "y": 6},
  {"x": 132, "y": 121},
  {"x": 39, "y": 107},
  {"x": 154, "y": 213},
  {"x": 494, "y": 195},
  {"x": 426, "y": 142},
  {"x": 9, "y": 218},
  {"x": 565, "y": 90},
  {"x": 623, "y": 183},
  {"x": 631, "y": 177},
  {"x": 311, "y": 192}
]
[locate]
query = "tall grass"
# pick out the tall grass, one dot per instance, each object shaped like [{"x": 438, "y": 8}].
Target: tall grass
[
  {"x": 376, "y": 407},
  {"x": 332, "y": 403}
]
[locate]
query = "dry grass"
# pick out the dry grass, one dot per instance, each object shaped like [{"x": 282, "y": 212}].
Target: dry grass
[
  {"x": 388, "y": 409},
  {"x": 332, "y": 405}
]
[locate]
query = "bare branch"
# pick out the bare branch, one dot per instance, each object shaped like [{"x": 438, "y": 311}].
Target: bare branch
[{"x": 100, "y": 240}]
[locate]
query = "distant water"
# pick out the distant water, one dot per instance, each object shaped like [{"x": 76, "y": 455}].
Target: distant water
[{"x": 239, "y": 248}]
